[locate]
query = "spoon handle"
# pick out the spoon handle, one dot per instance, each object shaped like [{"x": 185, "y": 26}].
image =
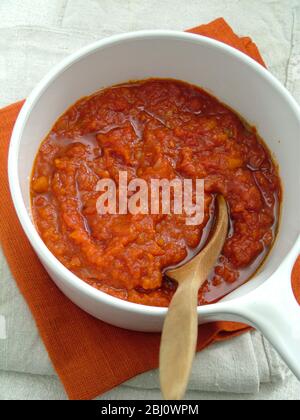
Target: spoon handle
[
  {"x": 178, "y": 342},
  {"x": 179, "y": 336}
]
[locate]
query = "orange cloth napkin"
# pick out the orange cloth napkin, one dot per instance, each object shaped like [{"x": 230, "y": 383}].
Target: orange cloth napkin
[{"x": 91, "y": 357}]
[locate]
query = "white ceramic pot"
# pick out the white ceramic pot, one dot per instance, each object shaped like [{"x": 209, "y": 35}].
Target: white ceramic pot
[{"x": 267, "y": 301}]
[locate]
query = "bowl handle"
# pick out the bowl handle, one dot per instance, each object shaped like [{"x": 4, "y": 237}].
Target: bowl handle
[{"x": 272, "y": 309}]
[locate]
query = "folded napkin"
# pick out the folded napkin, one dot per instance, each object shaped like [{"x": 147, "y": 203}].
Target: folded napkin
[{"x": 90, "y": 356}]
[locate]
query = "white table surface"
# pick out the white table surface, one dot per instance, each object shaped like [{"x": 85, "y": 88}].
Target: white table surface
[{"x": 27, "y": 52}]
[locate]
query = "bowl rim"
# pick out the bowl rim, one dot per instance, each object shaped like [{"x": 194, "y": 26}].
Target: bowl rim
[{"x": 22, "y": 212}]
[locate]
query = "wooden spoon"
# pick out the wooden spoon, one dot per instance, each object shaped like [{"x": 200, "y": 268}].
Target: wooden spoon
[{"x": 179, "y": 336}]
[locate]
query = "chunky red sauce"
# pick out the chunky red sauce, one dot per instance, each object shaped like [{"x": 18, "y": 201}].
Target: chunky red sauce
[{"x": 153, "y": 129}]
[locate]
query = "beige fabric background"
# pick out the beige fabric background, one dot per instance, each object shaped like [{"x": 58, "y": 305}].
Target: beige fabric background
[{"x": 36, "y": 34}]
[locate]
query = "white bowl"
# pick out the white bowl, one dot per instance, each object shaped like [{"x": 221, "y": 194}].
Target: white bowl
[{"x": 267, "y": 301}]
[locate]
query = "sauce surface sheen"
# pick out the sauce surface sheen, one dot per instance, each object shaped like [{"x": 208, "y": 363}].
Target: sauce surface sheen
[{"x": 161, "y": 129}]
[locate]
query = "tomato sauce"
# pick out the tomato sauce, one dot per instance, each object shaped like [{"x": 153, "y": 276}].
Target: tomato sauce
[{"x": 153, "y": 129}]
